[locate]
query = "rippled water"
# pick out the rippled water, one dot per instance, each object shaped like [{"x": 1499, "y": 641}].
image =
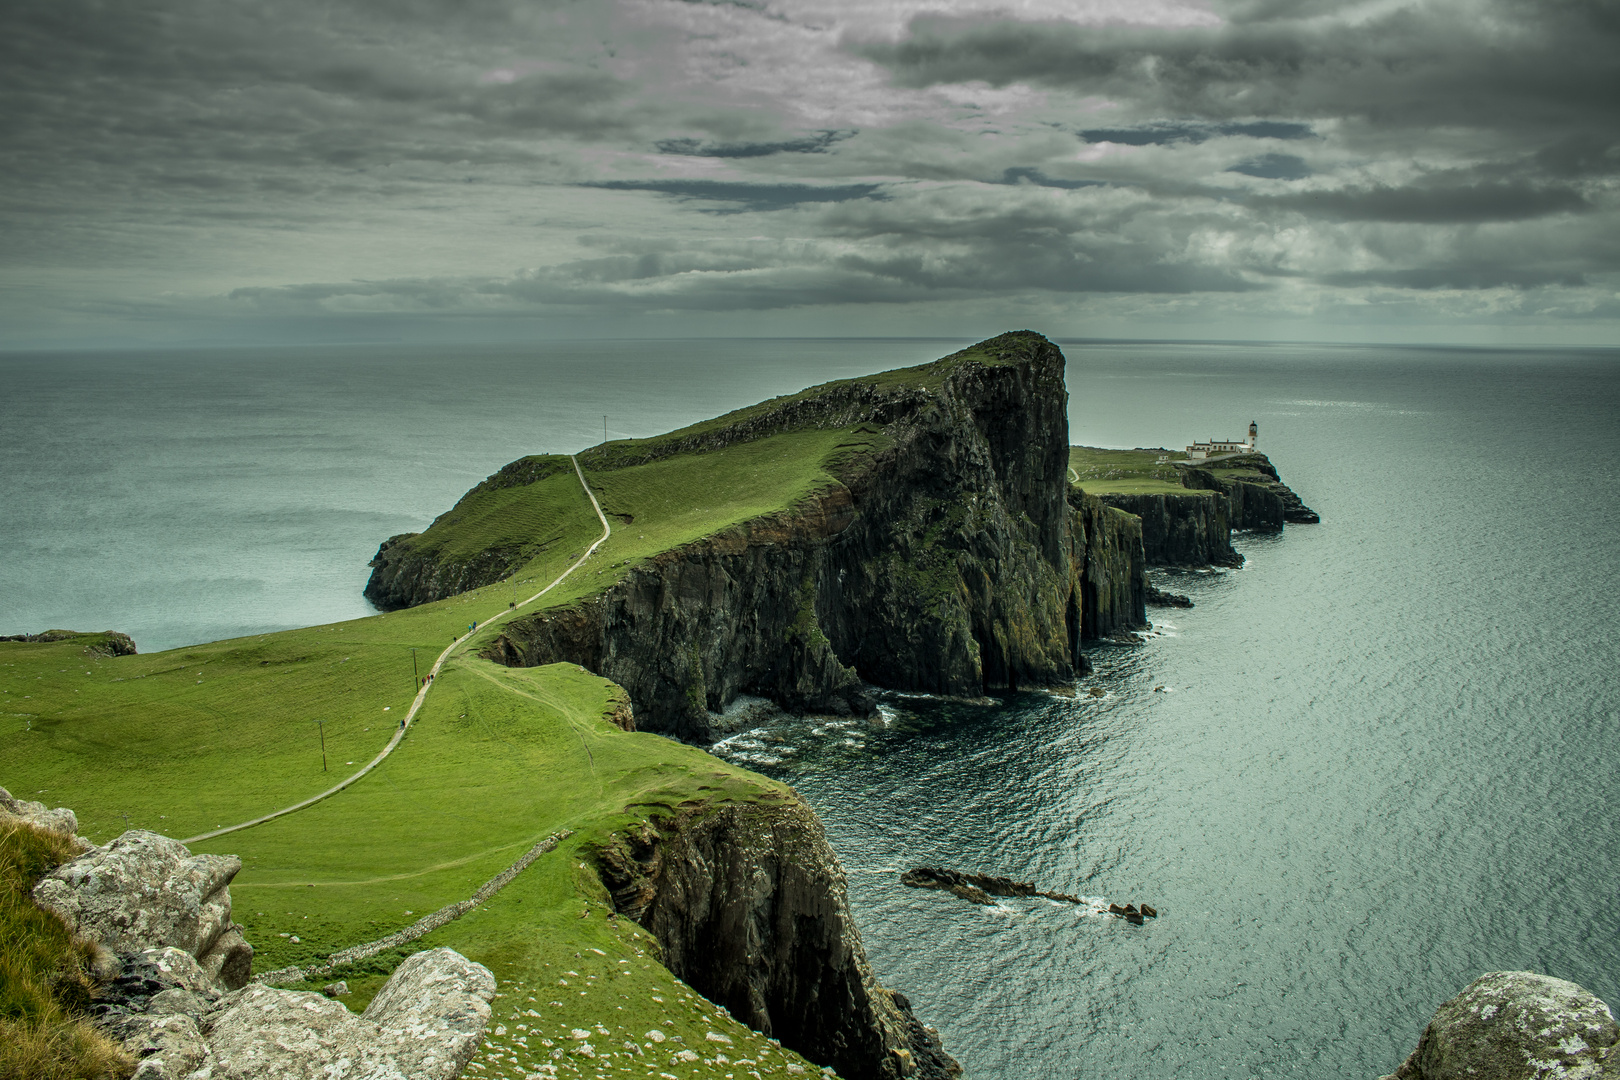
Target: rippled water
[{"x": 1383, "y": 760}]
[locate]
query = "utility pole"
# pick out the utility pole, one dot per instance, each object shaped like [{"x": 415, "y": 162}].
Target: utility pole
[
  {"x": 322, "y": 725},
  {"x": 416, "y": 676},
  {"x": 604, "y": 430}
]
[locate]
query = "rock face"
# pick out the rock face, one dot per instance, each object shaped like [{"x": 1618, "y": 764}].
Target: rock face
[
  {"x": 1517, "y": 1025},
  {"x": 950, "y": 562},
  {"x": 1111, "y": 591},
  {"x": 146, "y": 891},
  {"x": 424, "y": 1024},
  {"x": 1181, "y": 530},
  {"x": 749, "y": 907}
]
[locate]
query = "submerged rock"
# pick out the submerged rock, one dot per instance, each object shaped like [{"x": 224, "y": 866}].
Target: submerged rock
[
  {"x": 145, "y": 891},
  {"x": 1517, "y": 1025}
]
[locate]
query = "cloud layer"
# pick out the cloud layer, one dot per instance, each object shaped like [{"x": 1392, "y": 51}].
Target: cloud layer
[{"x": 235, "y": 169}]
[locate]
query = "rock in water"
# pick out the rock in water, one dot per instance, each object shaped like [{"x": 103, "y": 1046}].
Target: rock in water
[
  {"x": 1517, "y": 1025},
  {"x": 146, "y": 891},
  {"x": 424, "y": 1024}
]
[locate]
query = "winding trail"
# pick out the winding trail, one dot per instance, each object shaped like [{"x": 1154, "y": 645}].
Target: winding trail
[{"x": 421, "y": 694}]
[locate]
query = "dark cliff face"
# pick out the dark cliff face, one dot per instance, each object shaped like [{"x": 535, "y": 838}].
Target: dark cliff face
[
  {"x": 1181, "y": 530},
  {"x": 1110, "y": 567},
  {"x": 749, "y": 907},
  {"x": 946, "y": 564}
]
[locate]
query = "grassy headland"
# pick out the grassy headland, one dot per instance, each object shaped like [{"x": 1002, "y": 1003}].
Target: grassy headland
[{"x": 189, "y": 740}]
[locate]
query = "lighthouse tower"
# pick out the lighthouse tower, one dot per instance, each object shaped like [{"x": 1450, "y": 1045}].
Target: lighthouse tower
[{"x": 1254, "y": 435}]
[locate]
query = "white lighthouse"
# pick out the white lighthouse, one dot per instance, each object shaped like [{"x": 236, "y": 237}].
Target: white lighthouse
[{"x": 1254, "y": 435}]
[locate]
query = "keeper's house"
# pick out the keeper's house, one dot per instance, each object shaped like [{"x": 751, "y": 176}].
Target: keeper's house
[{"x": 1200, "y": 450}]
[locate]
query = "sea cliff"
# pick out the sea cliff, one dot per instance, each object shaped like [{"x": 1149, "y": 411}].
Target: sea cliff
[
  {"x": 749, "y": 907},
  {"x": 950, "y": 560}
]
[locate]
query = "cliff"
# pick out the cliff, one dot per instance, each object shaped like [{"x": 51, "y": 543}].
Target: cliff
[
  {"x": 749, "y": 907},
  {"x": 1188, "y": 529},
  {"x": 948, "y": 560},
  {"x": 1112, "y": 586},
  {"x": 1256, "y": 496}
]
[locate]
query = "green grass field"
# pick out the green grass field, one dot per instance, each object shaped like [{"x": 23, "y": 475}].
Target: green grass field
[
  {"x": 1126, "y": 472},
  {"x": 186, "y": 741}
]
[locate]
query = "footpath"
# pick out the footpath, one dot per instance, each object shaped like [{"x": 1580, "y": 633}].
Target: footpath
[{"x": 421, "y": 694}]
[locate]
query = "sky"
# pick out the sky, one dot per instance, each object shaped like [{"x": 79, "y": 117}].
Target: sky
[{"x": 218, "y": 171}]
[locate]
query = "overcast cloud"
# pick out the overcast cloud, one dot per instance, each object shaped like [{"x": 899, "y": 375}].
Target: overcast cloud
[{"x": 203, "y": 170}]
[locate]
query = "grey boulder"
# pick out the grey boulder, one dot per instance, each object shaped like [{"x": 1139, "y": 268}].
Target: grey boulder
[
  {"x": 61, "y": 820},
  {"x": 1517, "y": 1025},
  {"x": 425, "y": 1024},
  {"x": 144, "y": 890},
  {"x": 169, "y": 1046}
]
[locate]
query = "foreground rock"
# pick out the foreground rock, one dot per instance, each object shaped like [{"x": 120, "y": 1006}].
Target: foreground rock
[
  {"x": 145, "y": 891},
  {"x": 61, "y": 820},
  {"x": 425, "y": 1024},
  {"x": 1517, "y": 1025}
]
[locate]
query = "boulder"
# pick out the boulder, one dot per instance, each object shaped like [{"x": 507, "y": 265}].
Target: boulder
[
  {"x": 1517, "y": 1025},
  {"x": 168, "y": 1046},
  {"x": 143, "y": 891},
  {"x": 145, "y": 975},
  {"x": 425, "y": 1023},
  {"x": 61, "y": 820}
]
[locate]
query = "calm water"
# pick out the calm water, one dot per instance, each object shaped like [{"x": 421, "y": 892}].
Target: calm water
[{"x": 1382, "y": 761}]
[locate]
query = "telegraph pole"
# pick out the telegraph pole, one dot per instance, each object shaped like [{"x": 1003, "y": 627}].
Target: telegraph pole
[
  {"x": 604, "y": 430},
  {"x": 322, "y": 725},
  {"x": 416, "y": 676}
]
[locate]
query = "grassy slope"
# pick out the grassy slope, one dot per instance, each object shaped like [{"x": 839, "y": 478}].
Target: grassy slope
[
  {"x": 188, "y": 740},
  {"x": 1127, "y": 472}
]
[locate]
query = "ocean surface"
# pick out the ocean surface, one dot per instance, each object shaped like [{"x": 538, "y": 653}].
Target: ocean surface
[{"x": 1373, "y": 764}]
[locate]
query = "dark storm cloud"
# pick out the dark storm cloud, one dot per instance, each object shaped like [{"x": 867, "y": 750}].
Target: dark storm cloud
[
  {"x": 1493, "y": 64},
  {"x": 1166, "y": 133},
  {"x": 819, "y": 143},
  {"x": 1433, "y": 205},
  {"x": 216, "y": 90},
  {"x": 744, "y": 195}
]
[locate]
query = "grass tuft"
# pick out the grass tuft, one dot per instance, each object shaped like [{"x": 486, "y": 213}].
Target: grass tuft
[{"x": 46, "y": 974}]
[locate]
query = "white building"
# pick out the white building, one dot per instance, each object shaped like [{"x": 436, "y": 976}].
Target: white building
[{"x": 1199, "y": 450}]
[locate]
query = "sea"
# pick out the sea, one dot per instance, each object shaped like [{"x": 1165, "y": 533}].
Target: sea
[{"x": 1374, "y": 763}]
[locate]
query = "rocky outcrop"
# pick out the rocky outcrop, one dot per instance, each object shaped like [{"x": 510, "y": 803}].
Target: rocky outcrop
[
  {"x": 1517, "y": 1025},
  {"x": 1256, "y": 496},
  {"x": 404, "y": 577},
  {"x": 146, "y": 891},
  {"x": 425, "y": 1023},
  {"x": 749, "y": 907},
  {"x": 947, "y": 562},
  {"x": 60, "y": 820},
  {"x": 106, "y": 643},
  {"x": 1181, "y": 530}
]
